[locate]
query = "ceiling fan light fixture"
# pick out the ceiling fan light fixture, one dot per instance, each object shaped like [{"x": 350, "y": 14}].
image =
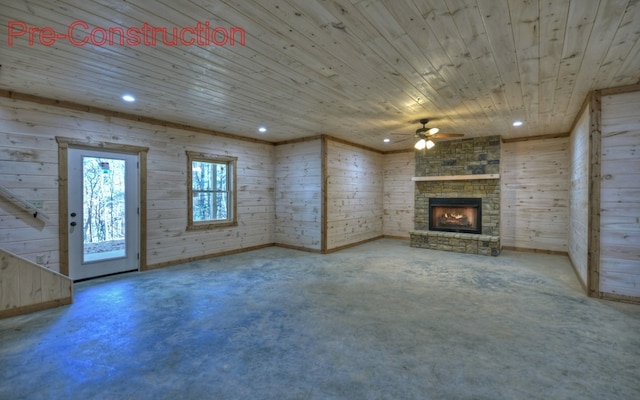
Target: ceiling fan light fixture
[
  {"x": 432, "y": 131},
  {"x": 421, "y": 144},
  {"x": 429, "y": 144}
]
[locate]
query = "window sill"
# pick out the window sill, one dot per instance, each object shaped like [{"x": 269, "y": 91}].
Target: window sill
[{"x": 212, "y": 225}]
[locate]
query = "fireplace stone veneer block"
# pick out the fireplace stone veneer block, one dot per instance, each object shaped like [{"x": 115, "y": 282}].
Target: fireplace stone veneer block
[{"x": 485, "y": 245}]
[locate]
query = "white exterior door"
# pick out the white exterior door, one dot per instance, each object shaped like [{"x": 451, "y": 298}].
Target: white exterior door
[{"x": 103, "y": 213}]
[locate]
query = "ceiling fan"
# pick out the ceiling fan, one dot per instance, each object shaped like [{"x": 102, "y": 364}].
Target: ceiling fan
[{"x": 426, "y": 135}]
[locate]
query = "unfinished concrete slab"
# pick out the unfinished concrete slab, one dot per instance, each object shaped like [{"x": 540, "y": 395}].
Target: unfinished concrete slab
[{"x": 377, "y": 321}]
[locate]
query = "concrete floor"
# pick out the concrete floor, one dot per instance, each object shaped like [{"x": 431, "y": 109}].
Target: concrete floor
[{"x": 377, "y": 321}]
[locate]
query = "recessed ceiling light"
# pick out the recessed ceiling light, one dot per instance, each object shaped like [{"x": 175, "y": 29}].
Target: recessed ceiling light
[
  {"x": 386, "y": 140},
  {"x": 262, "y": 129},
  {"x": 517, "y": 123},
  {"x": 128, "y": 97}
]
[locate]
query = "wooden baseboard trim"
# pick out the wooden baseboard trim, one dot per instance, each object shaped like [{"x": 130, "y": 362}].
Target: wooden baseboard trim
[
  {"x": 205, "y": 257},
  {"x": 327, "y": 251},
  {"x": 299, "y": 248},
  {"x": 12, "y": 312},
  {"x": 539, "y": 251},
  {"x": 620, "y": 298}
]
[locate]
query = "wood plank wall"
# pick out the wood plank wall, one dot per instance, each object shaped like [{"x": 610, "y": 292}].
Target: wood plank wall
[
  {"x": 578, "y": 239},
  {"x": 398, "y": 188},
  {"x": 620, "y": 195},
  {"x": 535, "y": 194},
  {"x": 354, "y": 194},
  {"x": 299, "y": 194},
  {"x": 28, "y": 152},
  {"x": 26, "y": 287}
]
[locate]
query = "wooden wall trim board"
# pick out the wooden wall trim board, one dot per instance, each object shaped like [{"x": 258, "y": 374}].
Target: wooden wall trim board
[
  {"x": 538, "y": 137},
  {"x": 595, "y": 143},
  {"x": 12, "y": 312},
  {"x": 360, "y": 146},
  {"x": 301, "y": 140},
  {"x": 621, "y": 298},
  {"x": 117, "y": 114},
  {"x": 537, "y": 251},
  {"x": 64, "y": 143},
  {"x": 398, "y": 151},
  {"x": 333, "y": 250},
  {"x": 207, "y": 256},
  {"x": 63, "y": 208},
  {"x": 299, "y": 248},
  {"x": 323, "y": 191},
  {"x": 620, "y": 89},
  {"x": 142, "y": 198}
]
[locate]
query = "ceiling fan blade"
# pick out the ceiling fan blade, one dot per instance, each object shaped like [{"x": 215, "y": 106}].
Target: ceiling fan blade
[
  {"x": 402, "y": 140},
  {"x": 447, "y": 135}
]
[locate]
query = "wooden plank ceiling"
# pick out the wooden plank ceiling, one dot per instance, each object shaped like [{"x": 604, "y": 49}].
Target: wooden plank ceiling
[{"x": 360, "y": 70}]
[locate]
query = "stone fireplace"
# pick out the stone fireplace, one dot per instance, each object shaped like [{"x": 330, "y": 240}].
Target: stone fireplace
[{"x": 458, "y": 172}]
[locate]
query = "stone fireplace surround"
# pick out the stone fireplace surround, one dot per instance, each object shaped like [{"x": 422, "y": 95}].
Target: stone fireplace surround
[{"x": 448, "y": 170}]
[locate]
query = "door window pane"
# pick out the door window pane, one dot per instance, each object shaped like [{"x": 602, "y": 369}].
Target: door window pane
[{"x": 103, "y": 208}]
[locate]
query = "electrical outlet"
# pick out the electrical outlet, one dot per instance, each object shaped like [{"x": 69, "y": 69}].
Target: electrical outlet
[
  {"x": 40, "y": 259},
  {"x": 36, "y": 203}
]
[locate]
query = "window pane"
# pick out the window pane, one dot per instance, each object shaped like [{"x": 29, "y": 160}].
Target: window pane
[
  {"x": 202, "y": 206},
  {"x": 103, "y": 208},
  {"x": 221, "y": 177},
  {"x": 209, "y": 206},
  {"x": 221, "y": 206},
  {"x": 201, "y": 175}
]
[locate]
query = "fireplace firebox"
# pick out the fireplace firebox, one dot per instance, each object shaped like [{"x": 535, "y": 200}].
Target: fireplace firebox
[{"x": 455, "y": 215}]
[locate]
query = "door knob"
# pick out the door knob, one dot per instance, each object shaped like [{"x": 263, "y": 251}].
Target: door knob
[
  {"x": 73, "y": 223},
  {"x": 73, "y": 214}
]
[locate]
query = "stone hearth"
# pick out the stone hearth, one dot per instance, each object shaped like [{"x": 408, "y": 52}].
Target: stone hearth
[{"x": 461, "y": 159}]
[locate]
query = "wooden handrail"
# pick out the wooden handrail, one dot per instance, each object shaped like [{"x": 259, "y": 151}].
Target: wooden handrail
[{"x": 23, "y": 204}]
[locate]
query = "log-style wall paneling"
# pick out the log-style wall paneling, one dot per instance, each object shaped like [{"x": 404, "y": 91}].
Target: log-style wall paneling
[
  {"x": 298, "y": 172},
  {"x": 398, "y": 201},
  {"x": 354, "y": 194},
  {"x": 29, "y": 167},
  {"x": 620, "y": 196},
  {"x": 535, "y": 195},
  {"x": 27, "y": 287},
  {"x": 578, "y": 240}
]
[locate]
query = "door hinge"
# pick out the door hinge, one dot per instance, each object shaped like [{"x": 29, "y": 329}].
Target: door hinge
[
  {"x": 137, "y": 164},
  {"x": 138, "y": 210}
]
